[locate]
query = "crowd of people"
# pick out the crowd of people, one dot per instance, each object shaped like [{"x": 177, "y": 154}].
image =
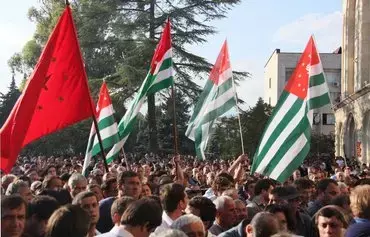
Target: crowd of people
[{"x": 182, "y": 196}]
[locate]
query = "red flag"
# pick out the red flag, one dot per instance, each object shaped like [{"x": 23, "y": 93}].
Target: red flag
[{"x": 56, "y": 94}]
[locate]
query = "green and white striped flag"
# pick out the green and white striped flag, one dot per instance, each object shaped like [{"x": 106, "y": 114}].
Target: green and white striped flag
[
  {"x": 107, "y": 128},
  {"x": 287, "y": 136},
  {"x": 160, "y": 76},
  {"x": 217, "y": 98}
]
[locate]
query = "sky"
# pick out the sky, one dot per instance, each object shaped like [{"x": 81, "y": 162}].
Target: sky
[{"x": 253, "y": 28}]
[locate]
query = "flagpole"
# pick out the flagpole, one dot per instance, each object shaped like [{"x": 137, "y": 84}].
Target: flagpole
[
  {"x": 176, "y": 148},
  {"x": 238, "y": 112},
  {"x": 125, "y": 157},
  {"x": 100, "y": 143}
]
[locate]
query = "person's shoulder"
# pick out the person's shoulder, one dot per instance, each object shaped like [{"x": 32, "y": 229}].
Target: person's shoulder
[
  {"x": 233, "y": 232},
  {"x": 359, "y": 230},
  {"x": 304, "y": 216},
  {"x": 107, "y": 201},
  {"x": 215, "y": 229}
]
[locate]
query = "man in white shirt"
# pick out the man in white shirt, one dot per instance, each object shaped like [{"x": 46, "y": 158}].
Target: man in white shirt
[
  {"x": 88, "y": 201},
  {"x": 118, "y": 208},
  {"x": 140, "y": 219},
  {"x": 174, "y": 201}
]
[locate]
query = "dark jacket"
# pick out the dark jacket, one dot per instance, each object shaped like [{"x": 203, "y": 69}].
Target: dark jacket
[
  {"x": 361, "y": 229},
  {"x": 237, "y": 231},
  {"x": 313, "y": 207},
  {"x": 304, "y": 225},
  {"x": 105, "y": 223}
]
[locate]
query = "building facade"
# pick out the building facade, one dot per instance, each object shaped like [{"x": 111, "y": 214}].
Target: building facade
[
  {"x": 280, "y": 67},
  {"x": 352, "y": 113}
]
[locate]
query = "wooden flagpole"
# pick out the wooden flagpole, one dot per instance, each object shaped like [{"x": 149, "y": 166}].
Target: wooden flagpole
[
  {"x": 238, "y": 112},
  {"x": 174, "y": 130}
]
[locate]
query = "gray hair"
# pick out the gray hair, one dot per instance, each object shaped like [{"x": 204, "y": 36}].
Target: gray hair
[
  {"x": 74, "y": 179},
  {"x": 342, "y": 185},
  {"x": 230, "y": 192},
  {"x": 36, "y": 185},
  {"x": 220, "y": 202},
  {"x": 6, "y": 178},
  {"x": 14, "y": 187},
  {"x": 162, "y": 232},
  {"x": 184, "y": 220}
]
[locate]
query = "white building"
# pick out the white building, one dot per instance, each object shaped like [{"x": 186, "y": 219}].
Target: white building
[
  {"x": 352, "y": 113},
  {"x": 280, "y": 67}
]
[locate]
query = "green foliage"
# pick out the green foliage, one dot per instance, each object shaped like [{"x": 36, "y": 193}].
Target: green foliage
[
  {"x": 7, "y": 101},
  {"x": 165, "y": 124},
  {"x": 322, "y": 145},
  {"x": 117, "y": 40},
  {"x": 253, "y": 122},
  {"x": 226, "y": 141}
]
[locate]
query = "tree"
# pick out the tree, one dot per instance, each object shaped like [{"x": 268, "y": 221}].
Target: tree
[
  {"x": 165, "y": 124},
  {"x": 225, "y": 141},
  {"x": 253, "y": 123},
  {"x": 8, "y": 100},
  {"x": 322, "y": 145},
  {"x": 117, "y": 39}
]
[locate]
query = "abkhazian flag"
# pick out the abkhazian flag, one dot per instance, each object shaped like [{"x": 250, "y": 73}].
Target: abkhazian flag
[
  {"x": 107, "y": 128},
  {"x": 286, "y": 140},
  {"x": 160, "y": 76},
  {"x": 217, "y": 98}
]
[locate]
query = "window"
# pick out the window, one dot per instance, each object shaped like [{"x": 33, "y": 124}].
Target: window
[
  {"x": 328, "y": 119},
  {"x": 316, "y": 119},
  {"x": 270, "y": 82},
  {"x": 288, "y": 73}
]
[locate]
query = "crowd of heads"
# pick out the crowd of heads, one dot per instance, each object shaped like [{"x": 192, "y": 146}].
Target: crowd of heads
[{"x": 176, "y": 196}]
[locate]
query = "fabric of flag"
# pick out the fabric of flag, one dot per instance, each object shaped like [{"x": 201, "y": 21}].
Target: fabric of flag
[
  {"x": 217, "y": 98},
  {"x": 160, "y": 76},
  {"x": 56, "y": 94},
  {"x": 107, "y": 128},
  {"x": 286, "y": 140}
]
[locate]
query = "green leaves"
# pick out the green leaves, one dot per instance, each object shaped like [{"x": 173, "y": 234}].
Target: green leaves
[
  {"x": 7, "y": 101},
  {"x": 226, "y": 140}
]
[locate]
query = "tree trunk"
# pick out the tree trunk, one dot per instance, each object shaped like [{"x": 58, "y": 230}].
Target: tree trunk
[{"x": 153, "y": 143}]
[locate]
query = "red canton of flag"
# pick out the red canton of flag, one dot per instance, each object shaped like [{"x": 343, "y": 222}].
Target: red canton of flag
[
  {"x": 222, "y": 64},
  {"x": 298, "y": 83},
  {"x": 163, "y": 46}
]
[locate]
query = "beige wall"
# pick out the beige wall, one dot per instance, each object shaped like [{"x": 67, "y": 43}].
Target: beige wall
[
  {"x": 355, "y": 82},
  {"x": 271, "y": 72},
  {"x": 276, "y": 70},
  {"x": 348, "y": 47},
  {"x": 359, "y": 109}
]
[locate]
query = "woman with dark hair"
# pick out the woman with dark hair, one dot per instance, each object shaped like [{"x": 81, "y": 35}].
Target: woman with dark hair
[
  {"x": 51, "y": 170},
  {"x": 69, "y": 220},
  {"x": 146, "y": 190},
  {"x": 331, "y": 221}
]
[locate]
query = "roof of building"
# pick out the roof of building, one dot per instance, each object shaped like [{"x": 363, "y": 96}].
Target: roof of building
[{"x": 278, "y": 51}]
